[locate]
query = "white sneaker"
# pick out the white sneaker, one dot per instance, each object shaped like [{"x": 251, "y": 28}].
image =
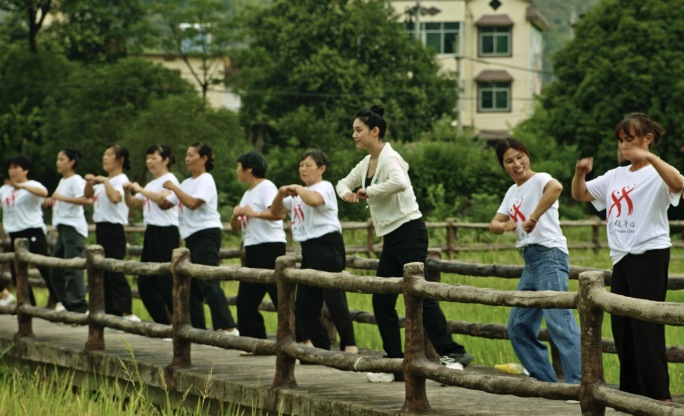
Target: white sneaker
[
  {"x": 231, "y": 331},
  {"x": 380, "y": 377},
  {"x": 59, "y": 307},
  {"x": 132, "y": 318},
  {"x": 8, "y": 300},
  {"x": 454, "y": 366}
]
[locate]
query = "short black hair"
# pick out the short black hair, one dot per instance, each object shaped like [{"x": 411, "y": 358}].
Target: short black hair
[
  {"x": 22, "y": 161},
  {"x": 254, "y": 161},
  {"x": 164, "y": 151},
  {"x": 318, "y": 156}
]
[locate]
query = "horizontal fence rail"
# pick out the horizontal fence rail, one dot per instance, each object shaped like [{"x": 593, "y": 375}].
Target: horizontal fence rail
[
  {"x": 416, "y": 366},
  {"x": 450, "y": 246}
]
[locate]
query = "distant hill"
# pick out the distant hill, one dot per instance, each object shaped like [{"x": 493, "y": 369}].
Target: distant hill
[{"x": 559, "y": 13}]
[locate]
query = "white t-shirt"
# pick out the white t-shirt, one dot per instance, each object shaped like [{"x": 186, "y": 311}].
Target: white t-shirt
[
  {"x": 521, "y": 201},
  {"x": 65, "y": 213},
  {"x": 206, "y": 216},
  {"x": 636, "y": 204},
  {"x": 312, "y": 222},
  {"x": 21, "y": 210},
  {"x": 256, "y": 230},
  {"x": 152, "y": 214},
  {"x": 106, "y": 211}
]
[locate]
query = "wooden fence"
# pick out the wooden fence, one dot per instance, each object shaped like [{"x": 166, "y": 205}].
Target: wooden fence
[{"x": 592, "y": 300}]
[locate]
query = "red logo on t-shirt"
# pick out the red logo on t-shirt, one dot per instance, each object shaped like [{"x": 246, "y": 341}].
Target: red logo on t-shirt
[
  {"x": 11, "y": 199},
  {"x": 621, "y": 195},
  {"x": 515, "y": 213},
  {"x": 298, "y": 213}
]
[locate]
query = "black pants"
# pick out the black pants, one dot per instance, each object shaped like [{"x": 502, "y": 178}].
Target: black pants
[
  {"x": 641, "y": 345},
  {"x": 250, "y": 295},
  {"x": 37, "y": 245},
  {"x": 325, "y": 253},
  {"x": 156, "y": 292},
  {"x": 117, "y": 292},
  {"x": 68, "y": 283},
  {"x": 407, "y": 244},
  {"x": 204, "y": 246}
]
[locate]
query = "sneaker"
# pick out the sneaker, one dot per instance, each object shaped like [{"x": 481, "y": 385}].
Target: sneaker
[
  {"x": 380, "y": 377},
  {"x": 230, "y": 331},
  {"x": 450, "y": 360},
  {"x": 8, "y": 300},
  {"x": 59, "y": 307},
  {"x": 133, "y": 318}
]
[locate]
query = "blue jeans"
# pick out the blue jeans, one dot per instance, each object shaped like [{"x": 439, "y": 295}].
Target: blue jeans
[{"x": 545, "y": 269}]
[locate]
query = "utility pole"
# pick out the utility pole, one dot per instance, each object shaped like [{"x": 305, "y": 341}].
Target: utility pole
[
  {"x": 416, "y": 28},
  {"x": 459, "y": 96}
]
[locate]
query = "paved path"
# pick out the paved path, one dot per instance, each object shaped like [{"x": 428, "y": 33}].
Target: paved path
[{"x": 246, "y": 379}]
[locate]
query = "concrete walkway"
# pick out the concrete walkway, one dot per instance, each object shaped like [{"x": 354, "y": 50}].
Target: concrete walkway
[{"x": 227, "y": 376}]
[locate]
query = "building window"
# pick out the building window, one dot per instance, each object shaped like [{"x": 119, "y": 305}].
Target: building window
[
  {"x": 495, "y": 41},
  {"x": 494, "y": 97},
  {"x": 195, "y": 38},
  {"x": 442, "y": 37}
]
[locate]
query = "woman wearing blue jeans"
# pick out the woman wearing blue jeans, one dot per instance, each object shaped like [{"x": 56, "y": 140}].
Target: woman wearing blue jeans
[{"x": 530, "y": 209}]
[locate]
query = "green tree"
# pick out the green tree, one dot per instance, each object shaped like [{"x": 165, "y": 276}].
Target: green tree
[
  {"x": 101, "y": 30},
  {"x": 317, "y": 62},
  {"x": 197, "y": 31},
  {"x": 95, "y": 105},
  {"x": 626, "y": 56},
  {"x": 34, "y": 12}
]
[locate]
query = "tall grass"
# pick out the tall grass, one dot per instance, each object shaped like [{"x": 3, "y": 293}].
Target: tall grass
[{"x": 47, "y": 391}]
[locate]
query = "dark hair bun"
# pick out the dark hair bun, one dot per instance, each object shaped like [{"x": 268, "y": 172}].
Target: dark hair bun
[{"x": 378, "y": 109}]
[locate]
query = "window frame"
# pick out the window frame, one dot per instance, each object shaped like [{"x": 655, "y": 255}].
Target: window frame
[
  {"x": 428, "y": 28},
  {"x": 495, "y": 33},
  {"x": 493, "y": 88}
]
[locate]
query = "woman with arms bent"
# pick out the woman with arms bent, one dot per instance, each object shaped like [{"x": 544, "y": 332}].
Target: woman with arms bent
[
  {"x": 313, "y": 211},
  {"x": 201, "y": 227},
  {"x": 262, "y": 236},
  {"x": 530, "y": 209},
  {"x": 381, "y": 179},
  {"x": 22, "y": 217},
  {"x": 110, "y": 214},
  {"x": 161, "y": 231},
  {"x": 69, "y": 219},
  {"x": 637, "y": 198}
]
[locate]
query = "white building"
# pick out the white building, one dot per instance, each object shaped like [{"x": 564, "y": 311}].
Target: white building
[{"x": 495, "y": 46}]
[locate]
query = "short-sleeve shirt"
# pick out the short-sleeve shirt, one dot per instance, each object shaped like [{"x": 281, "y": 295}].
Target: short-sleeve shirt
[
  {"x": 152, "y": 214},
  {"x": 257, "y": 230},
  {"x": 206, "y": 216},
  {"x": 21, "y": 209},
  {"x": 521, "y": 201},
  {"x": 104, "y": 210},
  {"x": 636, "y": 204},
  {"x": 65, "y": 213},
  {"x": 312, "y": 222}
]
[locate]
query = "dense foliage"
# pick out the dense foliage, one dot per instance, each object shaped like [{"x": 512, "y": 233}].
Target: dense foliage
[{"x": 314, "y": 62}]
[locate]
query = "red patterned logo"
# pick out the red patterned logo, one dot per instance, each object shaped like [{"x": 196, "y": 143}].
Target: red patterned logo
[
  {"x": 618, "y": 196},
  {"x": 515, "y": 212}
]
